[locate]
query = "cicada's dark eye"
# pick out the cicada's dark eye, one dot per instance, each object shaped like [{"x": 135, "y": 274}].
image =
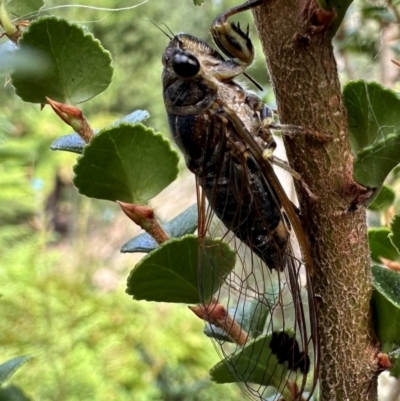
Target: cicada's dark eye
[{"x": 185, "y": 65}]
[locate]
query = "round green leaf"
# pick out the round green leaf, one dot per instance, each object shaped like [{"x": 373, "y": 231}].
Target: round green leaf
[
  {"x": 374, "y": 125},
  {"x": 129, "y": 163},
  {"x": 255, "y": 363},
  {"x": 372, "y": 112},
  {"x": 373, "y": 164},
  {"x": 386, "y": 306},
  {"x": 171, "y": 272},
  {"x": 75, "y": 144},
  {"x": 384, "y": 200},
  {"x": 77, "y": 66},
  {"x": 184, "y": 223},
  {"x": 380, "y": 244}
]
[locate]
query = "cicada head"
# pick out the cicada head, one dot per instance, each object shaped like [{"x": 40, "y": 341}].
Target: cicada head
[
  {"x": 187, "y": 56},
  {"x": 189, "y": 86}
]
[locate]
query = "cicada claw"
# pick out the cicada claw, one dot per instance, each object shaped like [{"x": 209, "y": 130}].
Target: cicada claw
[{"x": 233, "y": 42}]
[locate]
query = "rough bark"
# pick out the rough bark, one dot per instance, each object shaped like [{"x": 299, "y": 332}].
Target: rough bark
[{"x": 303, "y": 71}]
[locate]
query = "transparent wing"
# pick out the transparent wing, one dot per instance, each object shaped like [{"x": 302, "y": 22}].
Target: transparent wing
[{"x": 262, "y": 318}]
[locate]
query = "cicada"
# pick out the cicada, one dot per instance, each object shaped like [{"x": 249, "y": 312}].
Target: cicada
[{"x": 263, "y": 316}]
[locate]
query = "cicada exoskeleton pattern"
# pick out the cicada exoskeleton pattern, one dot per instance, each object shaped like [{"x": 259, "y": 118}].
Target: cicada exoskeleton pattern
[{"x": 263, "y": 315}]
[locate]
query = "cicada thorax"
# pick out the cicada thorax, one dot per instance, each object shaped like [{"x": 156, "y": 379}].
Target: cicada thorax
[{"x": 210, "y": 117}]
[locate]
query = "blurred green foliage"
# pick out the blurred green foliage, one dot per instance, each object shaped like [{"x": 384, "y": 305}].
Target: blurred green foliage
[
  {"x": 89, "y": 340},
  {"x": 62, "y": 280}
]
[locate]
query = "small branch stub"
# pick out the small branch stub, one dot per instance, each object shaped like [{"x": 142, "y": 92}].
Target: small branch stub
[
  {"x": 144, "y": 217},
  {"x": 320, "y": 21},
  {"x": 216, "y": 314},
  {"x": 384, "y": 362},
  {"x": 390, "y": 264},
  {"x": 74, "y": 117}
]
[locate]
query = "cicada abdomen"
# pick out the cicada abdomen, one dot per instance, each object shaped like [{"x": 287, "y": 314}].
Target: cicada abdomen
[{"x": 261, "y": 316}]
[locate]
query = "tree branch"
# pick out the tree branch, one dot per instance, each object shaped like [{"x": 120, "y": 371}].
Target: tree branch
[{"x": 306, "y": 85}]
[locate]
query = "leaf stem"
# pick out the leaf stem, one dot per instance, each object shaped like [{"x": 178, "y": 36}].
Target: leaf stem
[{"x": 5, "y": 21}]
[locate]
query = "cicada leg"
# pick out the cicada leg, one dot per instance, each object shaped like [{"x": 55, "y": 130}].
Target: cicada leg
[
  {"x": 229, "y": 37},
  {"x": 234, "y": 43},
  {"x": 263, "y": 135},
  {"x": 266, "y": 141}
]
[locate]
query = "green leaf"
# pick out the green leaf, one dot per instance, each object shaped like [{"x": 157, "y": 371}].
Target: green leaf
[
  {"x": 8, "y": 368},
  {"x": 184, "y": 223},
  {"x": 23, "y": 8},
  {"x": 198, "y": 2},
  {"x": 374, "y": 125},
  {"x": 395, "y": 235},
  {"x": 384, "y": 199},
  {"x": 129, "y": 163},
  {"x": 70, "y": 143},
  {"x": 374, "y": 163},
  {"x": 77, "y": 66},
  {"x": 380, "y": 244},
  {"x": 386, "y": 306},
  {"x": 255, "y": 363},
  {"x": 75, "y": 144},
  {"x": 171, "y": 272}
]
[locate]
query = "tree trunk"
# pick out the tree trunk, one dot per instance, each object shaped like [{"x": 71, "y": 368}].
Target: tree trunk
[{"x": 307, "y": 89}]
